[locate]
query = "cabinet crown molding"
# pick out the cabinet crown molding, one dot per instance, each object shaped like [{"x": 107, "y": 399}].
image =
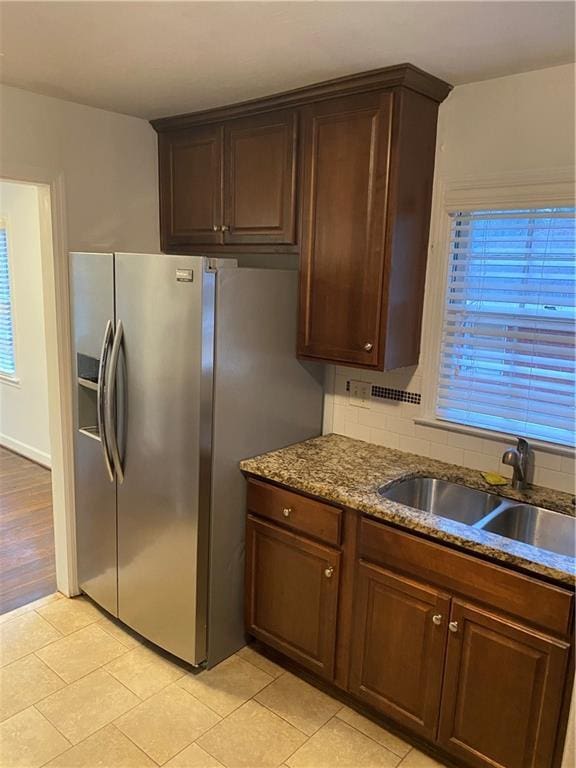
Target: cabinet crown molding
[{"x": 402, "y": 75}]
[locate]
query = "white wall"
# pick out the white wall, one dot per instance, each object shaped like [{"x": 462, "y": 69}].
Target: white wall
[
  {"x": 521, "y": 124},
  {"x": 24, "y": 403},
  {"x": 108, "y": 164}
]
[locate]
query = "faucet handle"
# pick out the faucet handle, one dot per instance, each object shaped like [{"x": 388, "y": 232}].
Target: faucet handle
[{"x": 522, "y": 445}]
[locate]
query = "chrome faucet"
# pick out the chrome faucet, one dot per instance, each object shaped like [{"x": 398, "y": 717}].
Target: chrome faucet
[{"x": 518, "y": 459}]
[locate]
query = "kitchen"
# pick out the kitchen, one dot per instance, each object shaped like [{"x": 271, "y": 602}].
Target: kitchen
[{"x": 378, "y": 621}]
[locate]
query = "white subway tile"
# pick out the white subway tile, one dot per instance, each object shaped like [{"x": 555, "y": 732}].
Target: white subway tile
[
  {"x": 544, "y": 460},
  {"x": 414, "y": 445},
  {"x": 371, "y": 418},
  {"x": 447, "y": 453},
  {"x": 480, "y": 461},
  {"x": 436, "y": 436},
  {"x": 384, "y": 437},
  {"x": 357, "y": 431},
  {"x": 401, "y": 426},
  {"x": 549, "y": 478},
  {"x": 569, "y": 465},
  {"x": 468, "y": 442}
]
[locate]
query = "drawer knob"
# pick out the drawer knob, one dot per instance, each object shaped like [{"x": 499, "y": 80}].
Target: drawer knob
[
  {"x": 286, "y": 511},
  {"x": 368, "y": 347},
  {"x": 225, "y": 228},
  {"x": 453, "y": 626},
  {"x": 216, "y": 228},
  {"x": 437, "y": 619},
  {"x": 329, "y": 572}
]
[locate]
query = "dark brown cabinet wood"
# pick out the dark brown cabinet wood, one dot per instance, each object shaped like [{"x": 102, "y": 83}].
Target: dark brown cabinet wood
[
  {"x": 260, "y": 179},
  {"x": 502, "y": 691},
  {"x": 368, "y": 165},
  {"x": 190, "y": 169},
  {"x": 230, "y": 184},
  {"x": 466, "y": 654},
  {"x": 400, "y": 629},
  {"x": 292, "y": 594}
]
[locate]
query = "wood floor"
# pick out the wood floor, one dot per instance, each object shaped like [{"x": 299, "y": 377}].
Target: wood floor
[{"x": 27, "y": 569}]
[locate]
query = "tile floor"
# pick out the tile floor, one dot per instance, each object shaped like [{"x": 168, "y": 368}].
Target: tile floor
[{"x": 79, "y": 691}]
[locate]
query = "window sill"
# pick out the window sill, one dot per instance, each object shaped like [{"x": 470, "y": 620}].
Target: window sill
[
  {"x": 11, "y": 381},
  {"x": 486, "y": 434}
]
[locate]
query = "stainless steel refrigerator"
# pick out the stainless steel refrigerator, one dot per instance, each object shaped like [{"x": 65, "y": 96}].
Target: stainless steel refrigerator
[{"x": 184, "y": 365}]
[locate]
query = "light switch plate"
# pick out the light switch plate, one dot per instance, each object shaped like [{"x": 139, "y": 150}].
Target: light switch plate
[{"x": 360, "y": 393}]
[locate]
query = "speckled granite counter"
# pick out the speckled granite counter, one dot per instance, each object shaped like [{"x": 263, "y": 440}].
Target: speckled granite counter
[{"x": 350, "y": 472}]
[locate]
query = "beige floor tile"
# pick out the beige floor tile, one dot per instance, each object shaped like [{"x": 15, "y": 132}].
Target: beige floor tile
[
  {"x": 30, "y": 607},
  {"x": 417, "y": 759},
  {"x": 28, "y": 740},
  {"x": 70, "y": 614},
  {"x": 25, "y": 682},
  {"x": 87, "y": 705},
  {"x": 23, "y": 635},
  {"x": 82, "y": 652},
  {"x": 167, "y": 722},
  {"x": 252, "y": 736},
  {"x": 338, "y": 745},
  {"x": 120, "y": 632},
  {"x": 258, "y": 660},
  {"x": 376, "y": 732},
  {"x": 144, "y": 671},
  {"x": 301, "y": 704},
  {"x": 108, "y": 748},
  {"x": 225, "y": 687},
  {"x": 193, "y": 757}
]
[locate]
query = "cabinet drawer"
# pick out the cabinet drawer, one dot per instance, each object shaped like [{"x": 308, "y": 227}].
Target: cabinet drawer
[
  {"x": 299, "y": 513},
  {"x": 544, "y": 605}
]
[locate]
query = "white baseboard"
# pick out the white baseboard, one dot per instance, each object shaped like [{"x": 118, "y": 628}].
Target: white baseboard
[{"x": 26, "y": 450}]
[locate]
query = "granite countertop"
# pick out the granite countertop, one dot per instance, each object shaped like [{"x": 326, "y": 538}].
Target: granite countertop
[{"x": 349, "y": 473}]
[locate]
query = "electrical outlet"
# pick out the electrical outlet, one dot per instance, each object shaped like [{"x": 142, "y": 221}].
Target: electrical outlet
[{"x": 360, "y": 393}]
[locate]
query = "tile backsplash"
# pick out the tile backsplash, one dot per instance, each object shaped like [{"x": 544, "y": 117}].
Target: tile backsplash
[{"x": 387, "y": 419}]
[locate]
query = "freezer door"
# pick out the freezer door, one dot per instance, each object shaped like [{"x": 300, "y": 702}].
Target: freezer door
[
  {"x": 92, "y": 309},
  {"x": 164, "y": 310}
]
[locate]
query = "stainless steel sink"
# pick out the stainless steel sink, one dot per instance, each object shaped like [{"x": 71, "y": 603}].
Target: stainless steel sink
[
  {"x": 442, "y": 498},
  {"x": 534, "y": 525},
  {"x": 539, "y": 527}
]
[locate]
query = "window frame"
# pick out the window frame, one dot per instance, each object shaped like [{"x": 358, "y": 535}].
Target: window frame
[
  {"x": 538, "y": 189},
  {"x": 7, "y": 378}
]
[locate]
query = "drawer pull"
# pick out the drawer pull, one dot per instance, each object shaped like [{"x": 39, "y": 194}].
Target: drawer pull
[
  {"x": 453, "y": 626},
  {"x": 329, "y": 572},
  {"x": 368, "y": 347},
  {"x": 437, "y": 619},
  {"x": 287, "y": 511}
]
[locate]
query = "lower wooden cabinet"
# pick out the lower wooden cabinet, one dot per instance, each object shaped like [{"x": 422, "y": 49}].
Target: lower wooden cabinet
[
  {"x": 292, "y": 594},
  {"x": 459, "y": 651},
  {"x": 503, "y": 689},
  {"x": 398, "y": 645}
]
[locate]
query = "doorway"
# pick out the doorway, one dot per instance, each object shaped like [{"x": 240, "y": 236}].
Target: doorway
[{"x": 36, "y": 471}]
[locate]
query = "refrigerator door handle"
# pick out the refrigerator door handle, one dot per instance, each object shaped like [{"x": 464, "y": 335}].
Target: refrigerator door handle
[
  {"x": 109, "y": 407},
  {"x": 100, "y": 395}
]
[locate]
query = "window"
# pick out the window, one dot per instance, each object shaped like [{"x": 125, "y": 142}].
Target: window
[
  {"x": 507, "y": 353},
  {"x": 7, "y": 360}
]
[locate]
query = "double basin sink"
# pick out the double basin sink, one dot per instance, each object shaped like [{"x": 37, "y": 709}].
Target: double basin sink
[{"x": 539, "y": 527}]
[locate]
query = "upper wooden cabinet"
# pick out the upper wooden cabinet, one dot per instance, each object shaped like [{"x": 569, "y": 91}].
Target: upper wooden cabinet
[
  {"x": 368, "y": 168},
  {"x": 340, "y": 172},
  {"x": 230, "y": 184}
]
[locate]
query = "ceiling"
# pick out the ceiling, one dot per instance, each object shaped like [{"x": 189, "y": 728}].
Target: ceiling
[{"x": 153, "y": 59}]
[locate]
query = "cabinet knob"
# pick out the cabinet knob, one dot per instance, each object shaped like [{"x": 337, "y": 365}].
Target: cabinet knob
[
  {"x": 329, "y": 572},
  {"x": 286, "y": 511},
  {"x": 224, "y": 227},
  {"x": 437, "y": 619},
  {"x": 368, "y": 347},
  {"x": 216, "y": 228},
  {"x": 453, "y": 626}
]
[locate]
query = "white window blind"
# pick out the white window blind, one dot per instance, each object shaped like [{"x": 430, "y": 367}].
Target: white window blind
[
  {"x": 507, "y": 357},
  {"x": 7, "y": 361}
]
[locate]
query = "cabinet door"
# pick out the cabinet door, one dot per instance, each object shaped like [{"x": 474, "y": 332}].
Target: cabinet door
[
  {"x": 260, "y": 179},
  {"x": 191, "y": 186},
  {"x": 398, "y": 652},
  {"x": 502, "y": 691},
  {"x": 345, "y": 159},
  {"x": 292, "y": 594}
]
